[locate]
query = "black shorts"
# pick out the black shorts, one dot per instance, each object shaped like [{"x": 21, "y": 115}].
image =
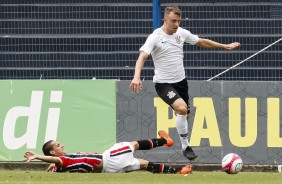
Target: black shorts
[{"x": 171, "y": 92}]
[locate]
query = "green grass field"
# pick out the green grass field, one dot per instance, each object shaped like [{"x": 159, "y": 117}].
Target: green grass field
[{"x": 41, "y": 177}]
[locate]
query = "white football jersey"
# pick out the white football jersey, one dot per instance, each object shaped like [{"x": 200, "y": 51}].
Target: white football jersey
[{"x": 167, "y": 53}]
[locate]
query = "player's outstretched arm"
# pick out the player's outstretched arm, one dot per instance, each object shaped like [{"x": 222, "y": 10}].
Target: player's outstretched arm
[
  {"x": 136, "y": 83},
  {"x": 29, "y": 156},
  {"x": 209, "y": 44}
]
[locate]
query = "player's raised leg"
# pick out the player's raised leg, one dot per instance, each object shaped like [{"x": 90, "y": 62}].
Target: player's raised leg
[{"x": 152, "y": 143}]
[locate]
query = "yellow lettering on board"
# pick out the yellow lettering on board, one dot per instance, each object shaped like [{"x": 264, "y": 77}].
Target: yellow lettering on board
[
  {"x": 163, "y": 121},
  {"x": 235, "y": 122},
  {"x": 273, "y": 124},
  {"x": 205, "y": 113}
]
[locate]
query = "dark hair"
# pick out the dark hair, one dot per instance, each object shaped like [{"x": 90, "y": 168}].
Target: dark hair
[
  {"x": 47, "y": 147},
  {"x": 173, "y": 9}
]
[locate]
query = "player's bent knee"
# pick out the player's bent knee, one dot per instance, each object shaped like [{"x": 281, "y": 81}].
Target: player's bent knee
[
  {"x": 143, "y": 164},
  {"x": 181, "y": 110},
  {"x": 135, "y": 145}
]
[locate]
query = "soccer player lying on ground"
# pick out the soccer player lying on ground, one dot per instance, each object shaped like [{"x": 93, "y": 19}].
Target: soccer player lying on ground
[{"x": 117, "y": 159}]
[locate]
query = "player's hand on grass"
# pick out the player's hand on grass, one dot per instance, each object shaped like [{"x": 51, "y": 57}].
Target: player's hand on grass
[
  {"x": 29, "y": 155},
  {"x": 51, "y": 167}
]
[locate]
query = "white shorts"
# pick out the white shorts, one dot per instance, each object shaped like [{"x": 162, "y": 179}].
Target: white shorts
[{"x": 119, "y": 159}]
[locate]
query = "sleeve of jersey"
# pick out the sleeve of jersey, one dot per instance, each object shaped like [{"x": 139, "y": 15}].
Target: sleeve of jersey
[
  {"x": 149, "y": 44},
  {"x": 65, "y": 163},
  {"x": 189, "y": 37}
]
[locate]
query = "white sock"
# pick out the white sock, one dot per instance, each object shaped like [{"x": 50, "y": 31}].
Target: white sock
[{"x": 182, "y": 129}]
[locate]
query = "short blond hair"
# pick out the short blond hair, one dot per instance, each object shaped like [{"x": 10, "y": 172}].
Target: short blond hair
[{"x": 173, "y": 9}]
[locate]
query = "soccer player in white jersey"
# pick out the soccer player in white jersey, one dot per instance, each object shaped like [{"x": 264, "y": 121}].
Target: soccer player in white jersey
[{"x": 165, "y": 45}]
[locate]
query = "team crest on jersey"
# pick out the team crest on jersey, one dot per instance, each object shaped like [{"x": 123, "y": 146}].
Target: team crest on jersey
[
  {"x": 177, "y": 38},
  {"x": 171, "y": 94}
]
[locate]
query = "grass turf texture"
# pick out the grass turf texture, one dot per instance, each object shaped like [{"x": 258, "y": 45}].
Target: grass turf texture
[{"x": 41, "y": 177}]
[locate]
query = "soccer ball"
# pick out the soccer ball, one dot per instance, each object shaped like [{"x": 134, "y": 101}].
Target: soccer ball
[{"x": 232, "y": 163}]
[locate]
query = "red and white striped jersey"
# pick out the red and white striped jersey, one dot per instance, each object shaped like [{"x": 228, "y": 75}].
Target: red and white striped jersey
[{"x": 79, "y": 162}]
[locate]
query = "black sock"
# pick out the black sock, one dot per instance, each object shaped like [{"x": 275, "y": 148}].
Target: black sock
[
  {"x": 151, "y": 143},
  {"x": 161, "y": 168}
]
